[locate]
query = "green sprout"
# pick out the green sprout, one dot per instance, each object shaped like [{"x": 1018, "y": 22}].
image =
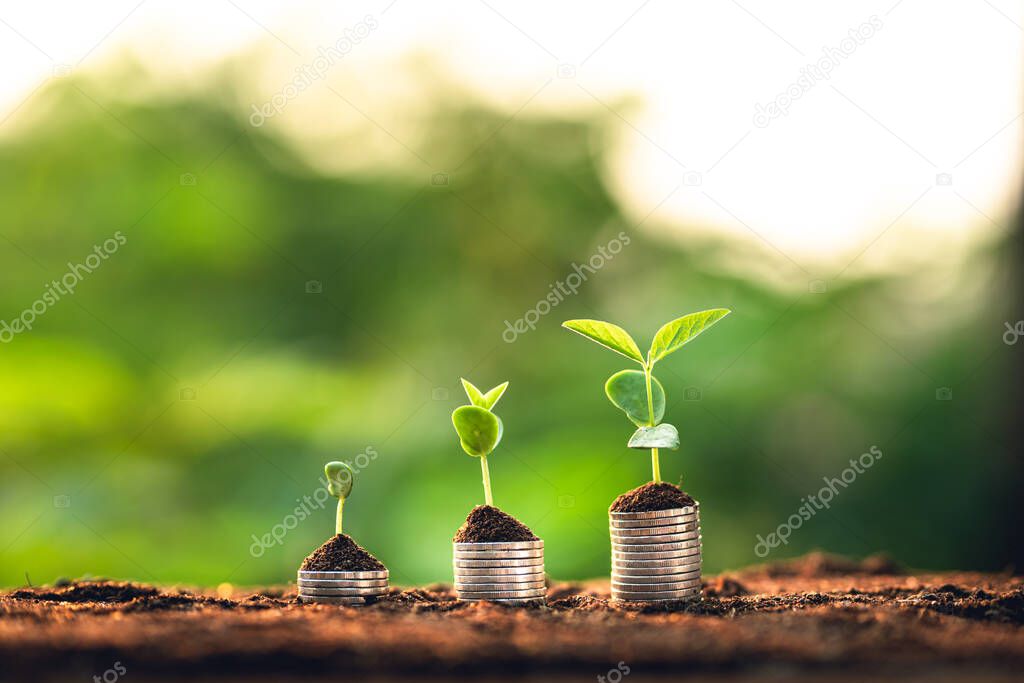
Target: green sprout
[
  {"x": 339, "y": 485},
  {"x": 478, "y": 428},
  {"x": 638, "y": 393}
]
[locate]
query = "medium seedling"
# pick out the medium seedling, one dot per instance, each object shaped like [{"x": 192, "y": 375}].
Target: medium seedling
[
  {"x": 638, "y": 393},
  {"x": 479, "y": 429},
  {"x": 339, "y": 485}
]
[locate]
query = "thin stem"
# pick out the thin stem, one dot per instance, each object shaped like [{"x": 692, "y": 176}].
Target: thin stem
[
  {"x": 337, "y": 520},
  {"x": 487, "y": 480},
  {"x": 655, "y": 464}
]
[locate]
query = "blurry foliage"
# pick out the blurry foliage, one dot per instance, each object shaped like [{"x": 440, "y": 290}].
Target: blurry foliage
[{"x": 210, "y": 295}]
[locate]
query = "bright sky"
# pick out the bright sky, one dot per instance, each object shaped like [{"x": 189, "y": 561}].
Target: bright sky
[{"x": 895, "y": 135}]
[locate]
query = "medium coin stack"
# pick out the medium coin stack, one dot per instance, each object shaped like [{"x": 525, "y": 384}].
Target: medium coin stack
[
  {"x": 501, "y": 572},
  {"x": 656, "y": 555},
  {"x": 342, "y": 588}
]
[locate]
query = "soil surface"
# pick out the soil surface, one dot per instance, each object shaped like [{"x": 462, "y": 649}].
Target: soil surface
[
  {"x": 816, "y": 618},
  {"x": 488, "y": 524},
  {"x": 341, "y": 554},
  {"x": 651, "y": 497}
]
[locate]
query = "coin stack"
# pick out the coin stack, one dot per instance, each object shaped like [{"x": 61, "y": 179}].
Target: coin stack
[
  {"x": 656, "y": 555},
  {"x": 342, "y": 588},
  {"x": 510, "y": 572}
]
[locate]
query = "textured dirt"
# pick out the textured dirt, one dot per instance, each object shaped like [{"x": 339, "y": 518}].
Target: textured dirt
[
  {"x": 341, "y": 554},
  {"x": 651, "y": 497},
  {"x": 488, "y": 524},
  {"x": 818, "y": 618}
]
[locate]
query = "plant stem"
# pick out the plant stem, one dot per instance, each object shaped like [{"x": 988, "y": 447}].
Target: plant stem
[
  {"x": 337, "y": 520},
  {"x": 487, "y": 480},
  {"x": 655, "y": 464}
]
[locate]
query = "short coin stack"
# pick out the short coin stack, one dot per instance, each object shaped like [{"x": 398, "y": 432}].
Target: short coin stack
[
  {"x": 511, "y": 571},
  {"x": 342, "y": 588},
  {"x": 656, "y": 555}
]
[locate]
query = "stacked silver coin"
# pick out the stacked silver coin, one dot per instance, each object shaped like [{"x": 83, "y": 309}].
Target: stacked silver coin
[
  {"x": 501, "y": 572},
  {"x": 656, "y": 555},
  {"x": 342, "y": 588}
]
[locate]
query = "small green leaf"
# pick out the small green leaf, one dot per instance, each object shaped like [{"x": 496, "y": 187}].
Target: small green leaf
[
  {"x": 607, "y": 335},
  {"x": 492, "y": 396},
  {"x": 672, "y": 336},
  {"x": 628, "y": 391},
  {"x": 476, "y": 397},
  {"x": 479, "y": 429},
  {"x": 662, "y": 436},
  {"x": 339, "y": 478}
]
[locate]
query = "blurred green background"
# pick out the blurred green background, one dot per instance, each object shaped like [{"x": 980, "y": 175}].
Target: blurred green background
[{"x": 264, "y": 316}]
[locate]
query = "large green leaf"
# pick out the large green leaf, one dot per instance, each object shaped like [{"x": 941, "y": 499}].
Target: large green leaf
[
  {"x": 607, "y": 335},
  {"x": 662, "y": 436},
  {"x": 672, "y": 336},
  {"x": 339, "y": 478},
  {"x": 479, "y": 429},
  {"x": 628, "y": 391}
]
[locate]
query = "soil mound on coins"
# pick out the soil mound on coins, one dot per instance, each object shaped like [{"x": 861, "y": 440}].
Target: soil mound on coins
[
  {"x": 650, "y": 497},
  {"x": 488, "y": 524},
  {"x": 341, "y": 554}
]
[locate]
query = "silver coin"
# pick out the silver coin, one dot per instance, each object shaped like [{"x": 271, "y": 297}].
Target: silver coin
[
  {"x": 654, "y": 530},
  {"x": 327, "y": 600},
  {"x": 343, "y": 583},
  {"x": 498, "y": 554},
  {"x": 655, "y": 547},
  {"x": 642, "y": 575},
  {"x": 498, "y": 587},
  {"x": 655, "y": 514},
  {"x": 656, "y": 564},
  {"x": 660, "y": 538},
  {"x": 515, "y": 601},
  {"x": 657, "y": 571},
  {"x": 348, "y": 592},
  {"x": 656, "y": 595},
  {"x": 667, "y": 555},
  {"x": 497, "y": 571},
  {"x": 662, "y": 586},
  {"x": 351, "y": 576},
  {"x": 648, "y": 523},
  {"x": 503, "y": 545},
  {"x": 500, "y": 579},
  {"x": 529, "y": 562},
  {"x": 502, "y": 595}
]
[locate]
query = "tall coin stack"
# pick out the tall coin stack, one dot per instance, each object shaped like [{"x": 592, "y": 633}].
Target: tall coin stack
[
  {"x": 501, "y": 572},
  {"x": 656, "y": 555},
  {"x": 342, "y": 588}
]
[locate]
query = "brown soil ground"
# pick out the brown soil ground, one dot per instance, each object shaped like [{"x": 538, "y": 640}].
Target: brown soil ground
[
  {"x": 488, "y": 524},
  {"x": 341, "y": 554},
  {"x": 817, "y": 618},
  {"x": 651, "y": 497}
]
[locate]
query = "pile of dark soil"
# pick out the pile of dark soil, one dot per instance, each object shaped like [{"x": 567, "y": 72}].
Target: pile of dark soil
[
  {"x": 488, "y": 524},
  {"x": 650, "y": 497},
  {"x": 341, "y": 554}
]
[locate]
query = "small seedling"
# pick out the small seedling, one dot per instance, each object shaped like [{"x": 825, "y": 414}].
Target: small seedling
[
  {"x": 479, "y": 429},
  {"x": 638, "y": 393},
  {"x": 339, "y": 485}
]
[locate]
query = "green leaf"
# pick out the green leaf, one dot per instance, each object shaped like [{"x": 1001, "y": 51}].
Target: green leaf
[
  {"x": 476, "y": 397},
  {"x": 492, "y": 396},
  {"x": 607, "y": 335},
  {"x": 479, "y": 429},
  {"x": 628, "y": 391},
  {"x": 339, "y": 478},
  {"x": 672, "y": 336},
  {"x": 662, "y": 436}
]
